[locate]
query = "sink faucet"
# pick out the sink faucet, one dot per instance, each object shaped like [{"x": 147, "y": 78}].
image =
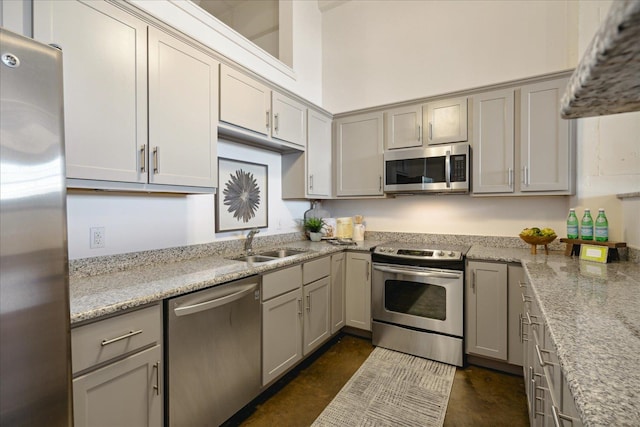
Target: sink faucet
[{"x": 248, "y": 242}]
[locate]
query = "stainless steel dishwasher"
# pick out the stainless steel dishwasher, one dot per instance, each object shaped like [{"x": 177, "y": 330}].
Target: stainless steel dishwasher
[{"x": 213, "y": 353}]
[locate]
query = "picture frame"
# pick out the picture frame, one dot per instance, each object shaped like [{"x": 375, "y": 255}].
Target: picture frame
[{"x": 242, "y": 196}]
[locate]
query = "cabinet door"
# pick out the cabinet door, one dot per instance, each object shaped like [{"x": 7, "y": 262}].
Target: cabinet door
[
  {"x": 493, "y": 142},
  {"x": 318, "y": 156},
  {"x": 445, "y": 121},
  {"x": 281, "y": 334},
  {"x": 359, "y": 151},
  {"x": 487, "y": 309},
  {"x": 289, "y": 120},
  {"x": 403, "y": 127},
  {"x": 515, "y": 276},
  {"x": 105, "y": 86},
  {"x": 358, "y": 291},
  {"x": 337, "y": 292},
  {"x": 183, "y": 111},
  {"x": 317, "y": 314},
  {"x": 244, "y": 102},
  {"x": 124, "y": 393},
  {"x": 544, "y": 138}
]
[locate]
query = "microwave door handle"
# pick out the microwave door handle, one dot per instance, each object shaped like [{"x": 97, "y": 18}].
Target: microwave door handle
[
  {"x": 447, "y": 169},
  {"x": 417, "y": 273}
]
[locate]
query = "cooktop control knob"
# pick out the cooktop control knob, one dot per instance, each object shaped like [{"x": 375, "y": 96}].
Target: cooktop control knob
[
  {"x": 451, "y": 253},
  {"x": 441, "y": 253}
]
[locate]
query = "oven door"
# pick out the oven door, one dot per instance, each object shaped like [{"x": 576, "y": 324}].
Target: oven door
[{"x": 425, "y": 298}]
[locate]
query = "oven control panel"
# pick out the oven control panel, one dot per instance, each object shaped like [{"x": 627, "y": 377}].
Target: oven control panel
[{"x": 414, "y": 253}]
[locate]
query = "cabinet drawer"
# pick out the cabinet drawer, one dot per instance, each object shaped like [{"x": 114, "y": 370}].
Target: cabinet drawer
[
  {"x": 280, "y": 282},
  {"x": 316, "y": 269},
  {"x": 106, "y": 339}
]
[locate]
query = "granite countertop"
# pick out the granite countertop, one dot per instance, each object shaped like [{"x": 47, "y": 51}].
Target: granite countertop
[
  {"x": 105, "y": 294},
  {"x": 592, "y": 312}
]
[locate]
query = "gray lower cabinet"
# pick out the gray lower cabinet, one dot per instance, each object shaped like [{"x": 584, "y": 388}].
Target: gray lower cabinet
[
  {"x": 487, "y": 309},
  {"x": 494, "y": 311},
  {"x": 338, "y": 282},
  {"x": 117, "y": 370},
  {"x": 358, "y": 290},
  {"x": 124, "y": 393},
  {"x": 296, "y": 315}
]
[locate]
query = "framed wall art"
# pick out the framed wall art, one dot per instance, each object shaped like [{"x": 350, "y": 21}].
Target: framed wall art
[{"x": 241, "y": 202}]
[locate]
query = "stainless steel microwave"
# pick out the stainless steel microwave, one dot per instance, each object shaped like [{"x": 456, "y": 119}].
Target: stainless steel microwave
[{"x": 434, "y": 169}]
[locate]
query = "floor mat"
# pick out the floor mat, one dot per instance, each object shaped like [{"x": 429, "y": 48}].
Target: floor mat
[{"x": 392, "y": 389}]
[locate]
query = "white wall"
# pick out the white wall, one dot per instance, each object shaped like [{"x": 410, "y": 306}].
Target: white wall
[
  {"x": 377, "y": 52},
  {"x": 382, "y": 51},
  {"x": 136, "y": 222}
]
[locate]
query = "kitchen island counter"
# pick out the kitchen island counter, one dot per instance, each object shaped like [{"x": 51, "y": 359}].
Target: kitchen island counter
[{"x": 592, "y": 312}]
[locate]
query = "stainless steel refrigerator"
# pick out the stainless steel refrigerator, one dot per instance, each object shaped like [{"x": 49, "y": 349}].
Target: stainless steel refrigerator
[{"x": 35, "y": 355}]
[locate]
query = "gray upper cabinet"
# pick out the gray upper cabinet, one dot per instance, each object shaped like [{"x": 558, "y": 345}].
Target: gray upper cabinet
[
  {"x": 126, "y": 87},
  {"x": 445, "y": 121},
  {"x": 544, "y": 139},
  {"x": 244, "y": 102},
  {"x": 403, "y": 127},
  {"x": 359, "y": 150},
  {"x": 318, "y": 158},
  {"x": 248, "y": 104},
  {"x": 493, "y": 142},
  {"x": 105, "y": 87},
  {"x": 522, "y": 151},
  {"x": 182, "y": 141}
]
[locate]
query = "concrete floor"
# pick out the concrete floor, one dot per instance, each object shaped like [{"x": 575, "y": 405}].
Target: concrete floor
[{"x": 479, "y": 397}]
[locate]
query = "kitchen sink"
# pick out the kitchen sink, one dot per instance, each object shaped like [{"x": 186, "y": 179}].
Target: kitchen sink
[
  {"x": 268, "y": 255},
  {"x": 254, "y": 258},
  {"x": 282, "y": 253}
]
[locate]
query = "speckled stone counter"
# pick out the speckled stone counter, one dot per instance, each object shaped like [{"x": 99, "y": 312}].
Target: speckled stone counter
[
  {"x": 593, "y": 315},
  {"x": 100, "y": 295}
]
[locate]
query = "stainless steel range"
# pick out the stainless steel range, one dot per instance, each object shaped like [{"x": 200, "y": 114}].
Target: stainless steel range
[{"x": 418, "y": 300}]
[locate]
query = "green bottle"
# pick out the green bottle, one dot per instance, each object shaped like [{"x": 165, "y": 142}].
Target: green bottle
[
  {"x": 572, "y": 225},
  {"x": 602, "y": 227},
  {"x": 586, "y": 226}
]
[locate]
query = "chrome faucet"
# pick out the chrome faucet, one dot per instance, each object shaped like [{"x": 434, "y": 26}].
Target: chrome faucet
[{"x": 249, "y": 240}]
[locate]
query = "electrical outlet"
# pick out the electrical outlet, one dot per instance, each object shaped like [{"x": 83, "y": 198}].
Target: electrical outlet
[{"x": 96, "y": 237}]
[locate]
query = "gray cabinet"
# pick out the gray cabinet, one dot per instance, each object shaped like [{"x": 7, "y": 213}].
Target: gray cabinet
[
  {"x": 486, "y": 300},
  {"x": 546, "y": 151},
  {"x": 524, "y": 151},
  {"x": 317, "y": 314},
  {"x": 105, "y": 87},
  {"x": 182, "y": 141},
  {"x": 126, "y": 87},
  {"x": 338, "y": 312},
  {"x": 281, "y": 322},
  {"x": 515, "y": 280},
  {"x": 359, "y": 155},
  {"x": 403, "y": 127},
  {"x": 493, "y": 142},
  {"x": 318, "y": 156},
  {"x": 250, "y": 105},
  {"x": 358, "y": 290},
  {"x": 445, "y": 121},
  {"x": 117, "y": 369}
]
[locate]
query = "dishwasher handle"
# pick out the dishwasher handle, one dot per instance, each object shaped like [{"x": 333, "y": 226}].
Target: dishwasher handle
[{"x": 217, "y": 302}]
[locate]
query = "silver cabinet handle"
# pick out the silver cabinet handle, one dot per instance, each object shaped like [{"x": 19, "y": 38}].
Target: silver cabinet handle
[
  {"x": 368, "y": 269},
  {"x": 143, "y": 158},
  {"x": 473, "y": 280},
  {"x": 419, "y": 133},
  {"x": 308, "y": 302},
  {"x": 156, "y": 387},
  {"x": 510, "y": 177},
  {"x": 275, "y": 122},
  {"x": 311, "y": 182},
  {"x": 267, "y": 124},
  {"x": 216, "y": 302},
  {"x": 155, "y": 159},
  {"x": 526, "y": 298},
  {"x": 525, "y": 176},
  {"x": 120, "y": 338},
  {"x": 543, "y": 362},
  {"x": 430, "y": 131},
  {"x": 522, "y": 284},
  {"x": 299, "y": 306},
  {"x": 380, "y": 183},
  {"x": 531, "y": 322},
  {"x": 557, "y": 416}
]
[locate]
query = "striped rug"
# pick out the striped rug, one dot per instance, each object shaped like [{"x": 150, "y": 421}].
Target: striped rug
[{"x": 392, "y": 389}]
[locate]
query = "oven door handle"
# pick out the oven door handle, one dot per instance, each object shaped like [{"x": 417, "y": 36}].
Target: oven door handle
[{"x": 418, "y": 273}]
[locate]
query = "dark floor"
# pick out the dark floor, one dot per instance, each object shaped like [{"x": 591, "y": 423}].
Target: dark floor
[{"x": 479, "y": 397}]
